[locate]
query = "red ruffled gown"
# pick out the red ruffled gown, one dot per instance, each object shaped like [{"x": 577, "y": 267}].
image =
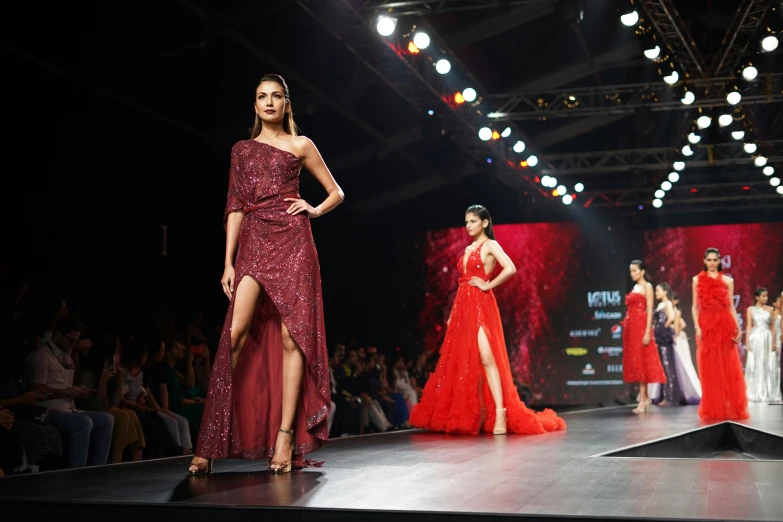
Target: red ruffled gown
[
  {"x": 456, "y": 398},
  {"x": 640, "y": 363},
  {"x": 724, "y": 393},
  {"x": 243, "y": 412}
]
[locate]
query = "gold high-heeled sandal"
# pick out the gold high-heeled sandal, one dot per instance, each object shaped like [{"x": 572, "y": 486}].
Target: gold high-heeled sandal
[
  {"x": 286, "y": 466},
  {"x": 499, "y": 431},
  {"x": 204, "y": 468}
]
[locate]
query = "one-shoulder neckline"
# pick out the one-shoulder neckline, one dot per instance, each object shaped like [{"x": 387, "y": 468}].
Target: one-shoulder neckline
[{"x": 276, "y": 148}]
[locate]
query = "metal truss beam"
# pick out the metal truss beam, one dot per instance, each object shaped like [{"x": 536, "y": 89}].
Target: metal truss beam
[
  {"x": 672, "y": 30},
  {"x": 739, "y": 35},
  {"x": 414, "y": 78},
  {"x": 500, "y": 24},
  {"x": 749, "y": 194},
  {"x": 622, "y": 99},
  {"x": 427, "y": 7},
  {"x": 719, "y": 154}
]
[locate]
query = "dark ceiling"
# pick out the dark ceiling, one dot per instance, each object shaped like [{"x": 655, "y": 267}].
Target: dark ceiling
[{"x": 152, "y": 94}]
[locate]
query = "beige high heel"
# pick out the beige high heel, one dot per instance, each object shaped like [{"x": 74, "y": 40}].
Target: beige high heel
[
  {"x": 643, "y": 407},
  {"x": 498, "y": 431},
  {"x": 202, "y": 468},
  {"x": 285, "y": 466}
]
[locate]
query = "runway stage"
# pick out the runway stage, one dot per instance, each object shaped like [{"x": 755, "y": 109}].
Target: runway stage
[{"x": 416, "y": 476}]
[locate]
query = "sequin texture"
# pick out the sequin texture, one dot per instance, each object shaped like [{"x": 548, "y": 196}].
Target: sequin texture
[{"x": 243, "y": 411}]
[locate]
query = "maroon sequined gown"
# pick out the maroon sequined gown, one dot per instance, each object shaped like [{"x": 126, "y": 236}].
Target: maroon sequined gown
[{"x": 243, "y": 412}]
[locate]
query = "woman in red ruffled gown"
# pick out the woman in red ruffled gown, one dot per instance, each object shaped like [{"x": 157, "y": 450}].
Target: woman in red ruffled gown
[
  {"x": 641, "y": 361},
  {"x": 472, "y": 388},
  {"x": 269, "y": 391},
  {"x": 724, "y": 392}
]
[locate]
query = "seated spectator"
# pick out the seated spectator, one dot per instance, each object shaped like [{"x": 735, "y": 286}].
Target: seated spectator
[
  {"x": 191, "y": 408},
  {"x": 419, "y": 373},
  {"x": 347, "y": 418},
  {"x": 98, "y": 370},
  {"x": 11, "y": 452},
  {"x": 402, "y": 382},
  {"x": 156, "y": 372},
  {"x": 137, "y": 396},
  {"x": 52, "y": 375}
]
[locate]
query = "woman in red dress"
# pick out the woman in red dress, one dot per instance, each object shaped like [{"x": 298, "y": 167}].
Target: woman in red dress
[
  {"x": 724, "y": 392},
  {"x": 472, "y": 388},
  {"x": 270, "y": 378},
  {"x": 641, "y": 362}
]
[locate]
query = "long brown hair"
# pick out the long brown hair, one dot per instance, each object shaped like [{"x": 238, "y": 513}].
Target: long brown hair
[
  {"x": 288, "y": 121},
  {"x": 482, "y": 213}
]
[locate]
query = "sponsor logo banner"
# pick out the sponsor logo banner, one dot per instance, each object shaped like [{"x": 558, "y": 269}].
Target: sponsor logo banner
[
  {"x": 617, "y": 331},
  {"x": 585, "y": 333},
  {"x": 612, "y": 351},
  {"x": 576, "y": 351},
  {"x": 603, "y": 314},
  {"x": 614, "y": 368},
  {"x": 588, "y": 369},
  {"x": 604, "y": 298}
]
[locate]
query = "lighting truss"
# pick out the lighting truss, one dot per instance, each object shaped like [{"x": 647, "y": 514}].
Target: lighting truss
[
  {"x": 675, "y": 36},
  {"x": 426, "y": 7},
  {"x": 740, "y": 35},
  {"x": 658, "y": 159},
  {"x": 415, "y": 79},
  {"x": 621, "y": 99}
]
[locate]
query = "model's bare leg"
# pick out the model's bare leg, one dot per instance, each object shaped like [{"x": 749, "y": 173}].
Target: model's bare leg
[
  {"x": 293, "y": 372},
  {"x": 493, "y": 380},
  {"x": 644, "y": 399},
  {"x": 245, "y": 300}
]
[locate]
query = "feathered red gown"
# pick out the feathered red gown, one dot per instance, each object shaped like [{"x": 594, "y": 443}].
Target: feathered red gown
[
  {"x": 724, "y": 393},
  {"x": 243, "y": 411},
  {"x": 456, "y": 398}
]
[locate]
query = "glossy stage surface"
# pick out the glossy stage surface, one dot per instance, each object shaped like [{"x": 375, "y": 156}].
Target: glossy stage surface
[{"x": 425, "y": 476}]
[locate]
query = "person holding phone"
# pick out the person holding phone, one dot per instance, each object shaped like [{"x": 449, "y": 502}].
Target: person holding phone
[{"x": 52, "y": 375}]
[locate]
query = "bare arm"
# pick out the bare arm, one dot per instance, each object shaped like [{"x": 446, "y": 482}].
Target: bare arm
[
  {"x": 749, "y": 324},
  {"x": 233, "y": 222},
  {"x": 648, "y": 293},
  {"x": 730, "y": 283},
  {"x": 677, "y": 322},
  {"x": 508, "y": 266},
  {"x": 695, "y": 308},
  {"x": 314, "y": 163},
  {"x": 670, "y": 315}
]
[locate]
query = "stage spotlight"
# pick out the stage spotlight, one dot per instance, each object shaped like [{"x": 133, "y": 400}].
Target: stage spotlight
[
  {"x": 485, "y": 134},
  {"x": 421, "y": 40},
  {"x": 768, "y": 170},
  {"x": 738, "y": 135},
  {"x": 519, "y": 147},
  {"x": 694, "y": 138},
  {"x": 652, "y": 52},
  {"x": 666, "y": 185},
  {"x": 657, "y": 203},
  {"x": 724, "y": 120},
  {"x": 629, "y": 19},
  {"x": 567, "y": 199},
  {"x": 734, "y": 97},
  {"x": 679, "y": 165},
  {"x": 703, "y": 122},
  {"x": 459, "y": 98},
  {"x": 506, "y": 132},
  {"x": 386, "y": 25},
  {"x": 545, "y": 181},
  {"x": 659, "y": 193},
  {"x": 769, "y": 43},
  {"x": 774, "y": 182},
  {"x": 779, "y": 189},
  {"x": 579, "y": 187},
  {"x": 750, "y": 73},
  {"x": 674, "y": 177},
  {"x": 760, "y": 161},
  {"x": 532, "y": 160},
  {"x": 672, "y": 78},
  {"x": 688, "y": 98},
  {"x": 687, "y": 151},
  {"x": 469, "y": 94},
  {"x": 443, "y": 66},
  {"x": 750, "y": 148},
  {"x": 495, "y": 135},
  {"x": 561, "y": 189},
  {"x": 551, "y": 182},
  {"x": 430, "y": 112}
]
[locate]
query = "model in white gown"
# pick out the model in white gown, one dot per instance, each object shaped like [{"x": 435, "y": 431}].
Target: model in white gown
[{"x": 762, "y": 359}]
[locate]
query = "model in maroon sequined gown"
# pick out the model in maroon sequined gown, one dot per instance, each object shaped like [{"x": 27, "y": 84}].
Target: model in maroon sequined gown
[
  {"x": 641, "y": 363},
  {"x": 243, "y": 412},
  {"x": 457, "y": 398}
]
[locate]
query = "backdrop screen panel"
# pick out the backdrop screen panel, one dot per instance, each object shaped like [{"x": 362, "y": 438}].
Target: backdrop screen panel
[{"x": 561, "y": 312}]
